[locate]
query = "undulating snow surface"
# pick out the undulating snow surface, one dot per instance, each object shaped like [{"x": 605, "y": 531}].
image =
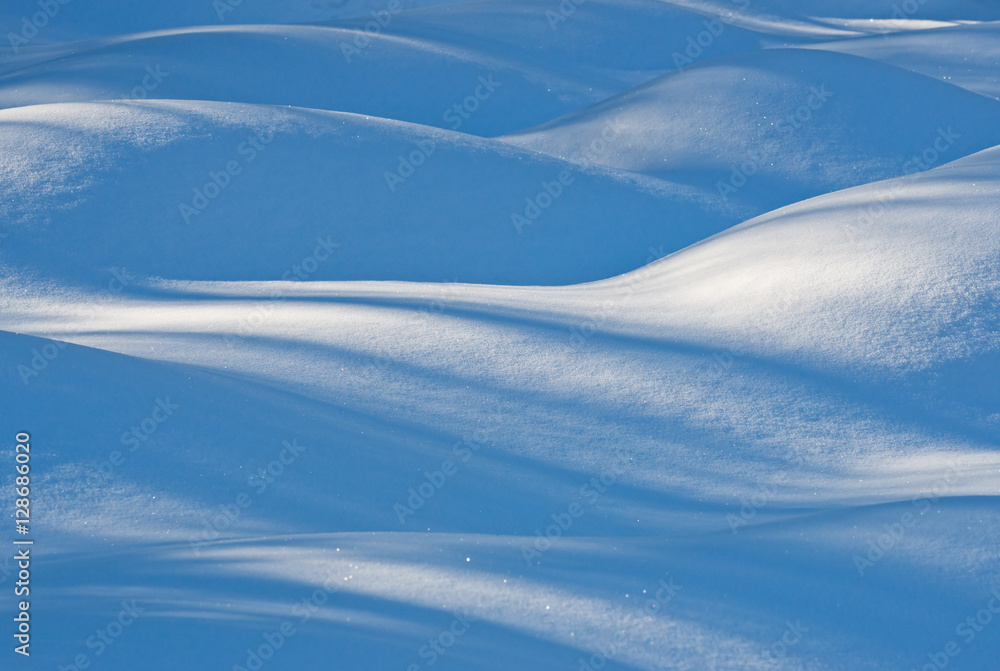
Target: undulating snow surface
[
  {"x": 479, "y": 344},
  {"x": 772, "y": 127},
  {"x": 966, "y": 55}
]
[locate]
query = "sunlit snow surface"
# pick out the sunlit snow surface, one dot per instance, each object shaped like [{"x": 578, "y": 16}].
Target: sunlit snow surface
[{"x": 471, "y": 338}]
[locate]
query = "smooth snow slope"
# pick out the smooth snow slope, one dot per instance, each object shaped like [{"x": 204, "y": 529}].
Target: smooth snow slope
[
  {"x": 811, "y": 19},
  {"x": 965, "y": 55},
  {"x": 306, "y": 66},
  {"x": 622, "y": 41},
  {"x": 941, "y": 10},
  {"x": 774, "y": 445},
  {"x": 216, "y": 191},
  {"x": 769, "y": 128},
  {"x": 416, "y": 67},
  {"x": 73, "y": 20},
  {"x": 831, "y": 362}
]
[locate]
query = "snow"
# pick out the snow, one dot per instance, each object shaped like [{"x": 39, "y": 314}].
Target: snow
[
  {"x": 964, "y": 55},
  {"x": 791, "y": 125},
  {"x": 382, "y": 423},
  {"x": 252, "y": 65},
  {"x": 176, "y": 187},
  {"x": 71, "y": 20}
]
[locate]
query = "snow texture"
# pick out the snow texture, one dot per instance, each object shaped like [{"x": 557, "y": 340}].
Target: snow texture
[{"x": 617, "y": 334}]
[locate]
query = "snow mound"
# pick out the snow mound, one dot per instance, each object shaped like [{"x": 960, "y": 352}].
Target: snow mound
[
  {"x": 768, "y": 128},
  {"x": 813, "y": 19},
  {"x": 613, "y": 42},
  {"x": 337, "y": 69},
  {"x": 940, "y": 10},
  {"x": 760, "y": 445},
  {"x": 758, "y": 410},
  {"x": 965, "y": 55},
  {"x": 216, "y": 191},
  {"x": 69, "y": 20},
  {"x": 417, "y": 66}
]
